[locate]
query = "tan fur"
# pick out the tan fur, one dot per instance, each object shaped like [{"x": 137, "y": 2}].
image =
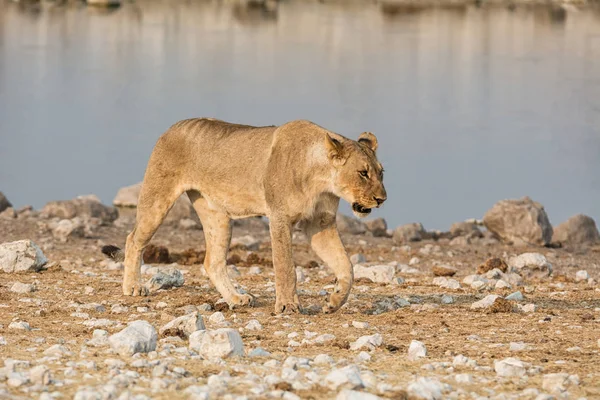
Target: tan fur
[{"x": 293, "y": 173}]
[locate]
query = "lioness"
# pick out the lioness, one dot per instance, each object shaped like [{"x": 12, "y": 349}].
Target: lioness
[{"x": 296, "y": 172}]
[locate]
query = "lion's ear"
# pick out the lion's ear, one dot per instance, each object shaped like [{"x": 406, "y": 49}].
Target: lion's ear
[
  {"x": 369, "y": 140},
  {"x": 335, "y": 150}
]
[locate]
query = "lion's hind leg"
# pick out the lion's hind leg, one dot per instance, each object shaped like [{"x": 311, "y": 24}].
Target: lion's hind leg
[{"x": 217, "y": 234}]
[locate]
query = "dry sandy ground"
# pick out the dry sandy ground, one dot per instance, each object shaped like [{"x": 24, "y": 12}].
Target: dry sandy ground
[{"x": 561, "y": 336}]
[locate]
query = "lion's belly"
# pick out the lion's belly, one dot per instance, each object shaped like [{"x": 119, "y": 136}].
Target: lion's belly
[{"x": 236, "y": 203}]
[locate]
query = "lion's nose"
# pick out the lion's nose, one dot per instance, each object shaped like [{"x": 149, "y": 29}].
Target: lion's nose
[{"x": 379, "y": 200}]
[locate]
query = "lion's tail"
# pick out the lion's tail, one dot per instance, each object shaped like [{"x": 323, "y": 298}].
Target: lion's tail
[{"x": 113, "y": 252}]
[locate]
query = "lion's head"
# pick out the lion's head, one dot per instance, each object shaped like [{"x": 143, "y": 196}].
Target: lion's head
[{"x": 358, "y": 176}]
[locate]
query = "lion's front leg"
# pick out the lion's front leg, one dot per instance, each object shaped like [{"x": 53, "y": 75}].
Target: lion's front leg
[
  {"x": 286, "y": 298},
  {"x": 325, "y": 241}
]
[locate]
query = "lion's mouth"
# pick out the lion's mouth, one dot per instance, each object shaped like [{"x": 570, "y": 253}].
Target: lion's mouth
[{"x": 360, "y": 209}]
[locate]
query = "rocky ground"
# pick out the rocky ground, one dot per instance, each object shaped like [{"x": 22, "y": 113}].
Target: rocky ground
[{"x": 433, "y": 315}]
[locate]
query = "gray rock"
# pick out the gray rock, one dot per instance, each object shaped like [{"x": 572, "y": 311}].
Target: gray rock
[
  {"x": 138, "y": 337},
  {"x": 22, "y": 288},
  {"x": 21, "y": 256},
  {"x": 516, "y": 296},
  {"x": 511, "y": 367},
  {"x": 376, "y": 273},
  {"x": 350, "y": 225},
  {"x": 83, "y": 206},
  {"x": 409, "y": 233},
  {"x": 577, "y": 230},
  {"x": 166, "y": 278},
  {"x": 519, "y": 221},
  {"x": 68, "y": 228},
  {"x": 465, "y": 229},
  {"x": 446, "y": 299},
  {"x": 259, "y": 352},
  {"x": 416, "y": 350},
  {"x": 357, "y": 259},
  {"x": 377, "y": 226},
  {"x": 347, "y": 377},
  {"x": 183, "y": 326},
  {"x": 221, "y": 343},
  {"x": 4, "y": 203},
  {"x": 531, "y": 265}
]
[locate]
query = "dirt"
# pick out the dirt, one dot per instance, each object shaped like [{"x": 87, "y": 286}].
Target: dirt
[{"x": 567, "y": 315}]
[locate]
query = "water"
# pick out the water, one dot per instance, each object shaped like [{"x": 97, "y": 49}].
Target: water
[{"x": 470, "y": 105}]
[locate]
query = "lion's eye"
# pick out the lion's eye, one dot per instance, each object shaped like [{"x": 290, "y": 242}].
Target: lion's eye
[{"x": 364, "y": 174}]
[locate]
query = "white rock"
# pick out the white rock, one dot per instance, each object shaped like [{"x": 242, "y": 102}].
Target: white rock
[
  {"x": 195, "y": 340},
  {"x": 469, "y": 279},
  {"x": 324, "y": 338},
  {"x": 510, "y": 367},
  {"x": 217, "y": 318},
  {"x": 531, "y": 264},
  {"x": 363, "y": 356},
  {"x": 323, "y": 359},
  {"x": 414, "y": 261},
  {"x": 138, "y": 337},
  {"x": 427, "y": 388},
  {"x": 253, "y": 325},
  {"x": 582, "y": 276},
  {"x": 57, "y": 350},
  {"x": 347, "y": 377},
  {"x": 501, "y": 284},
  {"x": 22, "y": 288},
  {"x": 19, "y": 325},
  {"x": 376, "y": 273},
  {"x": 416, "y": 350},
  {"x": 367, "y": 342},
  {"x": 360, "y": 325},
  {"x": 21, "y": 256},
  {"x": 255, "y": 270},
  {"x": 463, "y": 378},
  {"x": 197, "y": 392},
  {"x": 221, "y": 343},
  {"x": 555, "y": 383},
  {"x": 527, "y": 308},
  {"x": 447, "y": 283},
  {"x": 40, "y": 375},
  {"x": 183, "y": 326},
  {"x": 518, "y": 346},
  {"x": 347, "y": 394},
  {"x": 165, "y": 278},
  {"x": 486, "y": 302},
  {"x": 446, "y": 299}
]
